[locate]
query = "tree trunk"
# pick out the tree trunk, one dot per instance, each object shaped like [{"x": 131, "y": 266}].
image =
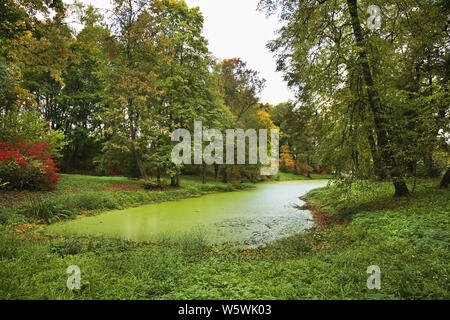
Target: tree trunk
[
  {"x": 377, "y": 163},
  {"x": 372, "y": 92},
  {"x": 140, "y": 164},
  {"x": 428, "y": 162},
  {"x": 225, "y": 174},
  {"x": 401, "y": 189},
  {"x": 380, "y": 121},
  {"x": 445, "y": 180},
  {"x": 216, "y": 171},
  {"x": 69, "y": 159},
  {"x": 72, "y": 158},
  {"x": 173, "y": 181},
  {"x": 178, "y": 180},
  {"x": 204, "y": 173},
  {"x": 137, "y": 154},
  {"x": 158, "y": 176}
]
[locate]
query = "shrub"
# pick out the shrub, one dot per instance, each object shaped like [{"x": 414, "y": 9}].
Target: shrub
[
  {"x": 28, "y": 166},
  {"x": 114, "y": 170},
  {"x": 150, "y": 185},
  {"x": 321, "y": 170}
]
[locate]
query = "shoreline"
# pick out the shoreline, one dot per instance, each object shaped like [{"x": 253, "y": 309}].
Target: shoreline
[{"x": 324, "y": 220}]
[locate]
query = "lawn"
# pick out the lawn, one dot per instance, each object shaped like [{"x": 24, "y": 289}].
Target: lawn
[{"x": 407, "y": 238}]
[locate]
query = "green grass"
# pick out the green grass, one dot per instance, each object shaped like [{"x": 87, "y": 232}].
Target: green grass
[
  {"x": 286, "y": 176},
  {"x": 407, "y": 238},
  {"x": 90, "y": 183},
  {"x": 78, "y": 193}
]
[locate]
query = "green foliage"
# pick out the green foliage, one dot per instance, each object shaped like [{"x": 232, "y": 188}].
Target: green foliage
[
  {"x": 193, "y": 244},
  {"x": 369, "y": 105},
  {"x": 48, "y": 210},
  {"x": 2, "y": 185},
  {"x": 29, "y": 126}
]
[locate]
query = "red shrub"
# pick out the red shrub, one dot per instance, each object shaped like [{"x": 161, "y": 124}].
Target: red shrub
[
  {"x": 114, "y": 170},
  {"x": 28, "y": 166},
  {"x": 7, "y": 154},
  {"x": 304, "y": 170},
  {"x": 322, "y": 170}
]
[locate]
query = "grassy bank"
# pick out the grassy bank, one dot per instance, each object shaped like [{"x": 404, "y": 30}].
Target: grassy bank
[
  {"x": 77, "y": 194},
  {"x": 286, "y": 176},
  {"x": 407, "y": 238},
  {"x": 91, "y": 194}
]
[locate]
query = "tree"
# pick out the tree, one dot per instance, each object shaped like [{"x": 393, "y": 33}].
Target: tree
[
  {"x": 18, "y": 26},
  {"x": 340, "y": 67},
  {"x": 161, "y": 81},
  {"x": 20, "y": 121},
  {"x": 445, "y": 180},
  {"x": 241, "y": 86},
  {"x": 133, "y": 81},
  {"x": 188, "y": 88},
  {"x": 82, "y": 99}
]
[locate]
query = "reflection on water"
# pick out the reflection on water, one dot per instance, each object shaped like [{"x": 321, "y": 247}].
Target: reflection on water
[{"x": 246, "y": 218}]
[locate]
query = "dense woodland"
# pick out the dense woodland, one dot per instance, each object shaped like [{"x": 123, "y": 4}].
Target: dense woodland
[{"x": 104, "y": 98}]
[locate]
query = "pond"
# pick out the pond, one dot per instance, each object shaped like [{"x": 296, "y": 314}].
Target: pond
[{"x": 246, "y": 218}]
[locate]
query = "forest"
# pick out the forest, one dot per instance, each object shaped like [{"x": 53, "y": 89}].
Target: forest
[{"x": 87, "y": 115}]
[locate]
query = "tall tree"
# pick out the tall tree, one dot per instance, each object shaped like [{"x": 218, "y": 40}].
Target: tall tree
[
  {"x": 337, "y": 63},
  {"x": 83, "y": 95},
  {"x": 241, "y": 86},
  {"x": 139, "y": 56}
]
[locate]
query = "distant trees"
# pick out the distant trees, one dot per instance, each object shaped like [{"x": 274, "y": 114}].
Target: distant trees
[
  {"x": 300, "y": 135},
  {"x": 110, "y": 96},
  {"x": 240, "y": 88}
]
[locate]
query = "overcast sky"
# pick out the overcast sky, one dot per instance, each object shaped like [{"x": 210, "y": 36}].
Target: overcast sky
[{"x": 234, "y": 28}]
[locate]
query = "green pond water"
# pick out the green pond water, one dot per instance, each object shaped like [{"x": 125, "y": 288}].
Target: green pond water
[{"x": 246, "y": 218}]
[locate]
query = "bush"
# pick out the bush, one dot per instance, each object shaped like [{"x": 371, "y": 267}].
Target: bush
[
  {"x": 321, "y": 170},
  {"x": 28, "y": 166},
  {"x": 150, "y": 185}
]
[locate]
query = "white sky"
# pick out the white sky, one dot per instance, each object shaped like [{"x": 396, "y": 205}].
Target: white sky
[{"x": 234, "y": 28}]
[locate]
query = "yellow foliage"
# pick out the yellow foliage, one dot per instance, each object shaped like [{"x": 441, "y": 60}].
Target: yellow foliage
[{"x": 286, "y": 157}]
